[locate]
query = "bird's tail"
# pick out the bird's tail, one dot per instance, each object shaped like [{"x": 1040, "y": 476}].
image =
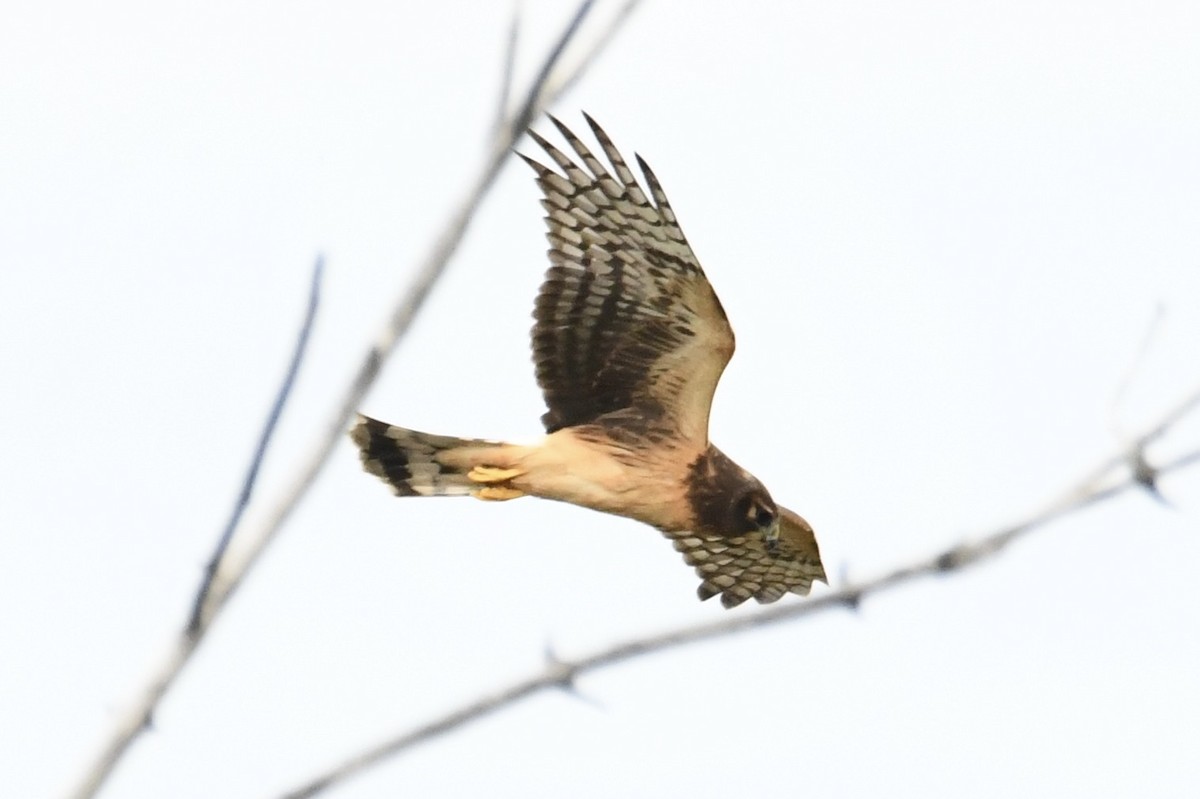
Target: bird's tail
[{"x": 419, "y": 464}]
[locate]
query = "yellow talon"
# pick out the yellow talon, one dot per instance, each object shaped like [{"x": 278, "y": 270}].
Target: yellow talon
[
  {"x": 492, "y": 474},
  {"x": 497, "y": 493}
]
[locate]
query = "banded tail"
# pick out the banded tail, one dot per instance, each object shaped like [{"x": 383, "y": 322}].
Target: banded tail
[{"x": 417, "y": 464}]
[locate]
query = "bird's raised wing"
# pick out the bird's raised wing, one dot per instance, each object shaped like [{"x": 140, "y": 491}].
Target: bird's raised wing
[
  {"x": 744, "y": 566},
  {"x": 627, "y": 326}
]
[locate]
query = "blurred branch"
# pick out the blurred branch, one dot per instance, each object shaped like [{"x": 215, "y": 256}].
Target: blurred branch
[
  {"x": 550, "y": 83},
  {"x": 219, "y": 586},
  {"x": 1111, "y": 478},
  {"x": 1142, "y": 471},
  {"x": 510, "y": 66},
  {"x": 1135, "y": 365}
]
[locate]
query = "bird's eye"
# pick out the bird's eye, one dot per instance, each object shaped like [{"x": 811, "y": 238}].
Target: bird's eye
[
  {"x": 758, "y": 515},
  {"x": 755, "y": 513}
]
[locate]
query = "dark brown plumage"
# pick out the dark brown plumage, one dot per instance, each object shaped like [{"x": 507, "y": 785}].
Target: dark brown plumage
[{"x": 625, "y": 319}]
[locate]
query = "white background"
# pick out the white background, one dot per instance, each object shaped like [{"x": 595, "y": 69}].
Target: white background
[{"x": 941, "y": 231}]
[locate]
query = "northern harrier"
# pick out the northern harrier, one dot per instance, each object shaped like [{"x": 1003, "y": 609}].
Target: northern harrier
[{"x": 629, "y": 342}]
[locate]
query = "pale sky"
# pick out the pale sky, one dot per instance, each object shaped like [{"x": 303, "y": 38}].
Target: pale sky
[{"x": 941, "y": 231}]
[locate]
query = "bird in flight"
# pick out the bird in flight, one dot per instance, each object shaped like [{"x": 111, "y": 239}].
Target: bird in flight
[{"x": 629, "y": 341}]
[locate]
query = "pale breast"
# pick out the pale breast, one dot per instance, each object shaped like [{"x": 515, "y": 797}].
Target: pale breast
[{"x": 575, "y": 465}]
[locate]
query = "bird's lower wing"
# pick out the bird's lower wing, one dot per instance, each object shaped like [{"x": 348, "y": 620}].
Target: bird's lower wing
[{"x": 748, "y": 566}]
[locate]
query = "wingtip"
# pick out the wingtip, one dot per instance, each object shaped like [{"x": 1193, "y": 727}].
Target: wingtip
[
  {"x": 538, "y": 168},
  {"x": 558, "y": 123},
  {"x": 537, "y": 137},
  {"x": 595, "y": 126},
  {"x": 646, "y": 170}
]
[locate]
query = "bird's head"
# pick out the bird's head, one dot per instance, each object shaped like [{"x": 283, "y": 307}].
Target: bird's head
[
  {"x": 756, "y": 512},
  {"x": 784, "y": 532}
]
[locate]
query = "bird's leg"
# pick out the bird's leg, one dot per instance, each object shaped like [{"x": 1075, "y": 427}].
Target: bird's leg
[
  {"x": 493, "y": 481},
  {"x": 496, "y": 493},
  {"x": 491, "y": 474}
]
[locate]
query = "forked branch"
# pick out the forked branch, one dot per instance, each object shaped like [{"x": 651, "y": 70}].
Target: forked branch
[{"x": 226, "y": 574}]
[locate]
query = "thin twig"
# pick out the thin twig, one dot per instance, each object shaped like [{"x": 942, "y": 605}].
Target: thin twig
[
  {"x": 232, "y": 571},
  {"x": 571, "y": 76},
  {"x": 281, "y": 397},
  {"x": 1168, "y": 419},
  {"x": 562, "y": 673},
  {"x": 1135, "y": 366},
  {"x": 139, "y": 719},
  {"x": 1142, "y": 471},
  {"x": 538, "y": 98},
  {"x": 509, "y": 74}
]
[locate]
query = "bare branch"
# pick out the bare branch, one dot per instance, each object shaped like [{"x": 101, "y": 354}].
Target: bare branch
[
  {"x": 1185, "y": 406},
  {"x": 571, "y": 76},
  {"x": 243, "y": 500},
  {"x": 508, "y": 76},
  {"x": 1097, "y": 487},
  {"x": 1135, "y": 365},
  {"x": 538, "y": 97},
  {"x": 231, "y": 572},
  {"x": 139, "y": 718}
]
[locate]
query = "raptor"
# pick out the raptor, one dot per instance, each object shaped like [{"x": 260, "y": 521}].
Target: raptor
[{"x": 629, "y": 342}]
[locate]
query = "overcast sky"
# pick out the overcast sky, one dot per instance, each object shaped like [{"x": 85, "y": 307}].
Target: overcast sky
[{"x": 941, "y": 231}]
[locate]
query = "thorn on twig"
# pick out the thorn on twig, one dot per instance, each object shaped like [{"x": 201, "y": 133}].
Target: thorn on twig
[
  {"x": 1146, "y": 475},
  {"x": 561, "y": 675},
  {"x": 851, "y": 599}
]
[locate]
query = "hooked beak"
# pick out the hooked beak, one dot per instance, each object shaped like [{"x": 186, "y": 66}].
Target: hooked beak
[{"x": 771, "y": 536}]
